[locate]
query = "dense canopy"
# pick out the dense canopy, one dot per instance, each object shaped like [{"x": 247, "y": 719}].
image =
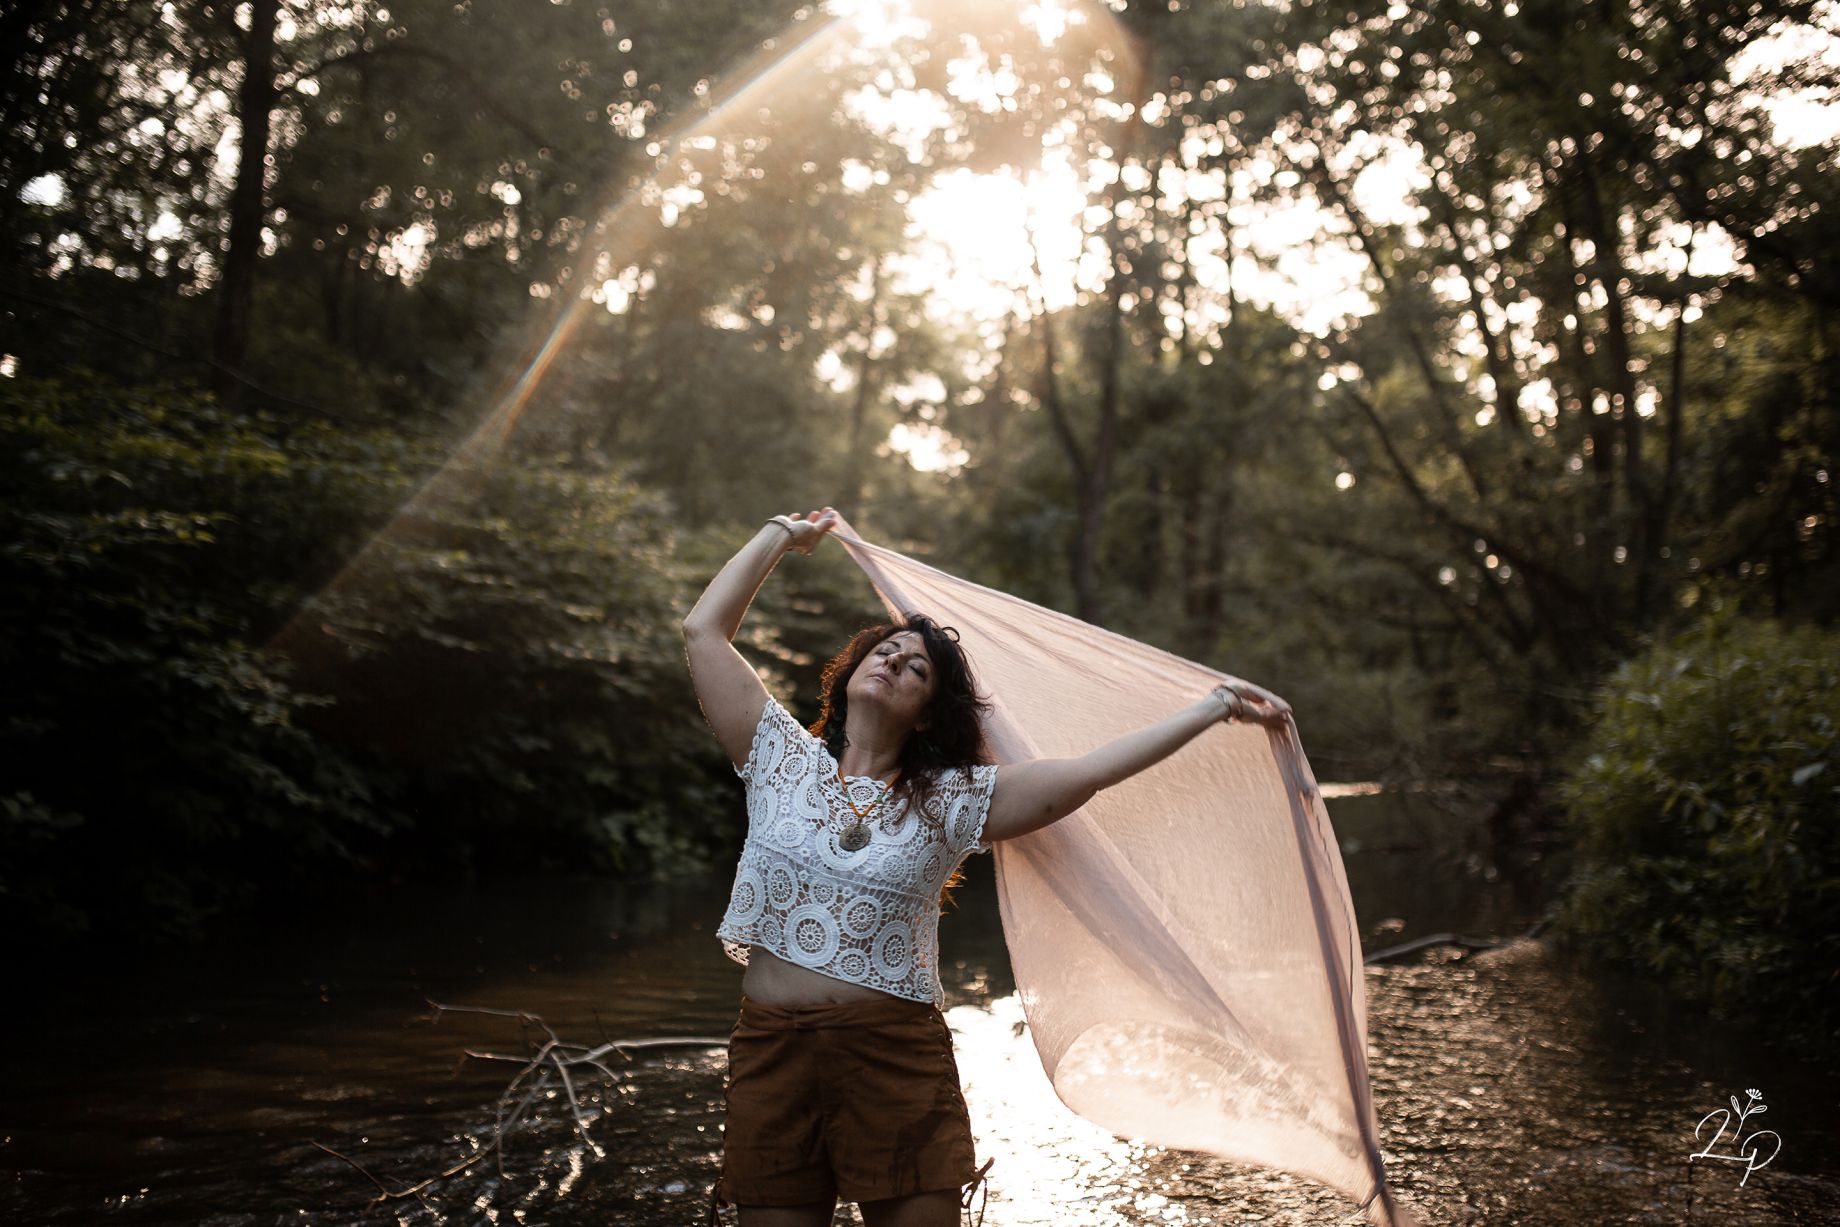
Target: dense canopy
[{"x": 381, "y": 383}]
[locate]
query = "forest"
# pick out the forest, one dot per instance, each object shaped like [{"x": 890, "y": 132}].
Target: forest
[{"x": 383, "y": 382}]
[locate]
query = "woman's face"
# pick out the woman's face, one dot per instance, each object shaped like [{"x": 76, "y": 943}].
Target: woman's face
[{"x": 896, "y": 678}]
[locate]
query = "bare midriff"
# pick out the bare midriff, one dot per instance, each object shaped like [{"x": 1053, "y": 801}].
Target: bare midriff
[{"x": 773, "y": 981}]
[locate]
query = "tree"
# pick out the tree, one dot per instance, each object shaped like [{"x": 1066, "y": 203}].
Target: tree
[{"x": 242, "y": 241}]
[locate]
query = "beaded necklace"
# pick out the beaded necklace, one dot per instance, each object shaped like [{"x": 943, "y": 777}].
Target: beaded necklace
[{"x": 855, "y": 835}]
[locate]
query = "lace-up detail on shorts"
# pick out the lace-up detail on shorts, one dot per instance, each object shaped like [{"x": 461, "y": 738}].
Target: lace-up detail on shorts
[{"x": 871, "y": 916}]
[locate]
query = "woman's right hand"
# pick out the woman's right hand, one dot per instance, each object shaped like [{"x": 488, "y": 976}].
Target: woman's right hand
[{"x": 808, "y": 529}]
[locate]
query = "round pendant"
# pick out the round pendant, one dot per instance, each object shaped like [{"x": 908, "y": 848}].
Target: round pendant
[{"x": 855, "y": 837}]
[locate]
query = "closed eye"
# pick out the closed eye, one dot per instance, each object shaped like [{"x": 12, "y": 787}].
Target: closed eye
[{"x": 919, "y": 664}]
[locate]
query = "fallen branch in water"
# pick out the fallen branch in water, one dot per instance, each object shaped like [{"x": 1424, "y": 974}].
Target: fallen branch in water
[
  {"x": 545, "y": 1067},
  {"x": 1446, "y": 939},
  {"x": 385, "y": 1193},
  {"x": 1425, "y": 943}
]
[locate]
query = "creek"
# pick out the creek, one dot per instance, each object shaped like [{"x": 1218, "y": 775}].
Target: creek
[{"x": 190, "y": 1088}]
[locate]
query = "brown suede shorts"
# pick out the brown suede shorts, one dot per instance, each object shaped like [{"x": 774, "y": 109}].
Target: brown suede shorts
[{"x": 855, "y": 1100}]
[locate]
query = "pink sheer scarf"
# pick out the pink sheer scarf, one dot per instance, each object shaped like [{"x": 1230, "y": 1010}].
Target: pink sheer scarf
[{"x": 1184, "y": 945}]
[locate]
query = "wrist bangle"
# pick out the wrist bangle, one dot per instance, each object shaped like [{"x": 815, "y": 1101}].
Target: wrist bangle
[{"x": 784, "y": 523}]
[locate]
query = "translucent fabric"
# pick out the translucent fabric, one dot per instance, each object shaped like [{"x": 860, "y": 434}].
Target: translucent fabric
[{"x": 1184, "y": 945}]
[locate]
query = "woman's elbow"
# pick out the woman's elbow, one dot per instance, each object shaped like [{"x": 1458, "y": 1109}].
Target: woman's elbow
[{"x": 1065, "y": 802}]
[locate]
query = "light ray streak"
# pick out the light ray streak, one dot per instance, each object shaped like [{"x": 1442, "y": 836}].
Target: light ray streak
[{"x": 634, "y": 226}]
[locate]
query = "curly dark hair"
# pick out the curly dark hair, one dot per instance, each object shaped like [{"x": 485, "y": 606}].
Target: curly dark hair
[{"x": 954, "y": 719}]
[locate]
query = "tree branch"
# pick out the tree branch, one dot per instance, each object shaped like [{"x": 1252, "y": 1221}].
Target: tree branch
[
  {"x": 550, "y": 1062},
  {"x": 477, "y": 88},
  {"x": 1444, "y": 413},
  {"x": 1513, "y": 552}
]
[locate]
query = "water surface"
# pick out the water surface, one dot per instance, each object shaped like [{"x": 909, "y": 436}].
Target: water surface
[{"x": 192, "y": 1089}]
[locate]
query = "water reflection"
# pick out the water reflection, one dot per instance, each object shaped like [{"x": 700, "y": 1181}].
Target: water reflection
[
  {"x": 192, "y": 1091},
  {"x": 1051, "y": 1166}
]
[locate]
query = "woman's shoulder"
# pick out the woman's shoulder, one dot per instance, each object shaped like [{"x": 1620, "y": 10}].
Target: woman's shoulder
[
  {"x": 978, "y": 775},
  {"x": 960, "y": 802},
  {"x": 778, "y": 715},
  {"x": 779, "y": 740},
  {"x": 951, "y": 784}
]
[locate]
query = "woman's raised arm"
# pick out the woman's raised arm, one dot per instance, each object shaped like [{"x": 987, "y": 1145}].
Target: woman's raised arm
[
  {"x": 1032, "y": 795},
  {"x": 729, "y": 690}
]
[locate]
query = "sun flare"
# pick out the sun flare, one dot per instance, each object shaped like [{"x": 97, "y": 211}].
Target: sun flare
[
  {"x": 978, "y": 241},
  {"x": 978, "y": 238}
]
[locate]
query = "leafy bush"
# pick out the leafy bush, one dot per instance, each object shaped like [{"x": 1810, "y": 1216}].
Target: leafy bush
[
  {"x": 153, "y": 768},
  {"x": 498, "y": 685},
  {"x": 1707, "y": 819},
  {"x": 512, "y": 659}
]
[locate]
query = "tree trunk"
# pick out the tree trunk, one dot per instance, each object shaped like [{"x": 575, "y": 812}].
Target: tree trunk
[
  {"x": 1661, "y": 526},
  {"x": 255, "y": 103},
  {"x": 1097, "y": 485},
  {"x": 849, "y": 486},
  {"x": 1608, "y": 272},
  {"x": 1062, "y": 426},
  {"x": 1213, "y": 509}
]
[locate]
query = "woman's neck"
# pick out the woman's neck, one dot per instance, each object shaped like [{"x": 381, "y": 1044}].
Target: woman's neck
[{"x": 869, "y": 749}]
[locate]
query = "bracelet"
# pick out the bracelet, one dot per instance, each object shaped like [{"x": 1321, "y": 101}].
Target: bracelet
[{"x": 785, "y": 523}]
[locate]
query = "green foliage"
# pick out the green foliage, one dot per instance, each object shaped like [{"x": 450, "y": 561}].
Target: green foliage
[
  {"x": 1559, "y": 425},
  {"x": 498, "y": 681},
  {"x": 1708, "y": 854},
  {"x": 510, "y": 652},
  {"x": 1428, "y": 525},
  {"x": 152, "y": 754}
]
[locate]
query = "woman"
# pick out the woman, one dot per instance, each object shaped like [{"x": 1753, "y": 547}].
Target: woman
[{"x": 841, "y": 1077}]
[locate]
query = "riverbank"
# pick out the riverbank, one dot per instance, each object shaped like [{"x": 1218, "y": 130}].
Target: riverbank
[{"x": 1510, "y": 1089}]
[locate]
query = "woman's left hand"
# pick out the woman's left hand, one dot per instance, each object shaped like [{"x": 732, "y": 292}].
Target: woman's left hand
[{"x": 1253, "y": 703}]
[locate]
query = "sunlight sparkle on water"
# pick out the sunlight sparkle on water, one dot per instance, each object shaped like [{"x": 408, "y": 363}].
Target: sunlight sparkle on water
[{"x": 1050, "y": 1165}]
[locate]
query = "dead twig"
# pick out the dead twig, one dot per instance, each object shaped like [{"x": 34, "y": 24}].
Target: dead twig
[
  {"x": 384, "y": 1192},
  {"x": 545, "y": 1067}
]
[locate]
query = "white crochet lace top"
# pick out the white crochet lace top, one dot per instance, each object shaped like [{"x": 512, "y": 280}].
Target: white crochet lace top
[{"x": 871, "y": 916}]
